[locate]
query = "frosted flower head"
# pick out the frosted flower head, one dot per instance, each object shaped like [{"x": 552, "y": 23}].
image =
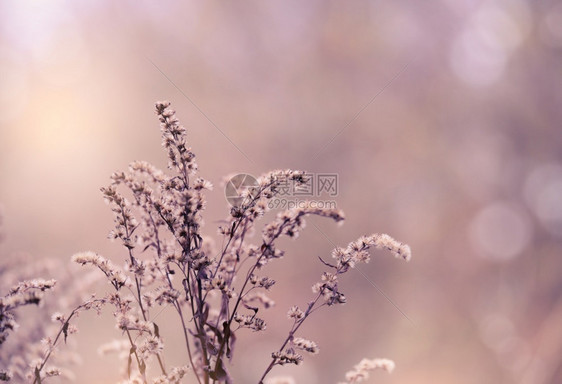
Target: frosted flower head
[
  {"x": 295, "y": 313},
  {"x": 287, "y": 356},
  {"x": 305, "y": 345},
  {"x": 362, "y": 370},
  {"x": 115, "y": 275},
  {"x": 152, "y": 345}
]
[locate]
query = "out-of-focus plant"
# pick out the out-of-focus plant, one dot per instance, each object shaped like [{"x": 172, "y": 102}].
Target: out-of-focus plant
[{"x": 26, "y": 348}]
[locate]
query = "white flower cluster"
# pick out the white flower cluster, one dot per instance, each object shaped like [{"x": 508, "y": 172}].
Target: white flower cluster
[{"x": 361, "y": 371}]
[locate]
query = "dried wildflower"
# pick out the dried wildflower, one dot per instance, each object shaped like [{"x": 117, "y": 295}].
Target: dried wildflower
[
  {"x": 39, "y": 284},
  {"x": 166, "y": 295},
  {"x": 152, "y": 345},
  {"x": 52, "y": 371},
  {"x": 295, "y": 313},
  {"x": 288, "y": 356},
  {"x": 264, "y": 282},
  {"x": 129, "y": 322},
  {"x": 259, "y": 298},
  {"x": 291, "y": 222},
  {"x": 357, "y": 251},
  {"x": 215, "y": 292},
  {"x": 361, "y": 371},
  {"x": 57, "y": 316},
  {"x": 384, "y": 241},
  {"x": 327, "y": 289},
  {"x": 305, "y": 345},
  {"x": 13, "y": 356},
  {"x": 175, "y": 375},
  {"x": 251, "y": 322},
  {"x": 115, "y": 275}
]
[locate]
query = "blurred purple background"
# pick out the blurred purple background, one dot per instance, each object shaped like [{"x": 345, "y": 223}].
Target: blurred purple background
[{"x": 442, "y": 120}]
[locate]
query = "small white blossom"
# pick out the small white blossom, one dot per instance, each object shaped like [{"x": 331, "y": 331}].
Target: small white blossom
[{"x": 361, "y": 371}]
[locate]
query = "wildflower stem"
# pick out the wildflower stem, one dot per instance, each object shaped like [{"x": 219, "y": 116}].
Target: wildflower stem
[
  {"x": 50, "y": 350},
  {"x": 138, "y": 283},
  {"x": 63, "y": 330},
  {"x": 241, "y": 294},
  {"x": 296, "y": 325},
  {"x": 184, "y": 328},
  {"x": 134, "y": 350}
]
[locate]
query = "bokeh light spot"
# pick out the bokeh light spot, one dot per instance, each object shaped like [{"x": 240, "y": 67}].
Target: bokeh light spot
[
  {"x": 500, "y": 231},
  {"x": 543, "y": 189}
]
